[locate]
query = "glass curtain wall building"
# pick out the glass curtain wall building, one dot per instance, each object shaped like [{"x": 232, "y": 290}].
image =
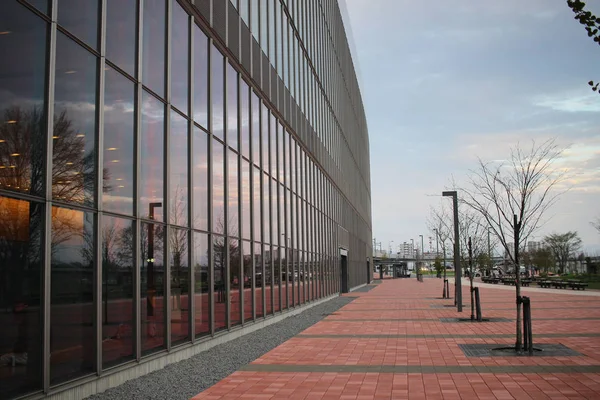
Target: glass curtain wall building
[{"x": 170, "y": 171}]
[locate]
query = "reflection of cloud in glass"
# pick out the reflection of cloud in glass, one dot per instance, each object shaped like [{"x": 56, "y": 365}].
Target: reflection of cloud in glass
[
  {"x": 200, "y": 74},
  {"x": 179, "y": 57},
  {"x": 152, "y": 156},
  {"x": 217, "y": 83}
]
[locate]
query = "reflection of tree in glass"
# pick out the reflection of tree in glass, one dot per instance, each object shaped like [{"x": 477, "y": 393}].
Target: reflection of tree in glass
[
  {"x": 20, "y": 251},
  {"x": 22, "y": 153}
]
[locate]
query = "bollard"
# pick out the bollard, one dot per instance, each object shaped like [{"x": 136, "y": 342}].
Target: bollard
[
  {"x": 478, "y": 305},
  {"x": 527, "y": 331}
]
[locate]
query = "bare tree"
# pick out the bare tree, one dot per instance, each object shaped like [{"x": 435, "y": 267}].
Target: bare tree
[
  {"x": 513, "y": 196},
  {"x": 564, "y": 247},
  {"x": 596, "y": 224}
]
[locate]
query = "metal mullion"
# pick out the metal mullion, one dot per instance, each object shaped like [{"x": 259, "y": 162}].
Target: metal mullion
[
  {"x": 190, "y": 167},
  {"x": 285, "y": 226},
  {"x": 211, "y": 252},
  {"x": 48, "y": 195},
  {"x": 99, "y": 188},
  {"x": 137, "y": 224},
  {"x": 166, "y": 183}
]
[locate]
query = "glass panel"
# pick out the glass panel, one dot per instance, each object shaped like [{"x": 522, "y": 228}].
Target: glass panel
[
  {"x": 272, "y": 34},
  {"x": 178, "y": 147},
  {"x": 233, "y": 201},
  {"x": 119, "y": 122},
  {"x": 273, "y": 150},
  {"x": 245, "y": 118},
  {"x": 21, "y": 227},
  {"x": 259, "y": 281},
  {"x": 180, "y": 42},
  {"x": 200, "y": 165},
  {"x": 280, "y": 146},
  {"x": 180, "y": 286},
  {"x": 257, "y": 202},
  {"x": 235, "y": 262},
  {"x": 263, "y": 124},
  {"x": 200, "y": 77},
  {"x": 42, "y": 5},
  {"x": 254, "y": 21},
  {"x": 274, "y": 216},
  {"x": 276, "y": 279},
  {"x": 218, "y": 187},
  {"x": 263, "y": 26},
  {"x": 266, "y": 210},
  {"x": 220, "y": 274},
  {"x": 268, "y": 259},
  {"x": 73, "y": 171},
  {"x": 118, "y": 309},
  {"x": 121, "y": 24},
  {"x": 232, "y": 107},
  {"x": 151, "y": 173},
  {"x": 245, "y": 11},
  {"x": 245, "y": 199},
  {"x": 152, "y": 239},
  {"x": 256, "y": 134},
  {"x": 153, "y": 51},
  {"x": 217, "y": 86},
  {"x": 248, "y": 298},
  {"x": 200, "y": 261},
  {"x": 22, "y": 104},
  {"x": 81, "y": 19},
  {"x": 72, "y": 353}
]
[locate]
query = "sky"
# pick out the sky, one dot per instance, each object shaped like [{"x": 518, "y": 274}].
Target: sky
[{"x": 445, "y": 82}]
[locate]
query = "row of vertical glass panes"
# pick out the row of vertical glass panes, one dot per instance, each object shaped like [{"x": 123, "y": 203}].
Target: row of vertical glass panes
[{"x": 148, "y": 196}]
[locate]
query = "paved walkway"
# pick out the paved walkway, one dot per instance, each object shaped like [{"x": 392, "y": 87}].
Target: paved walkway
[{"x": 391, "y": 343}]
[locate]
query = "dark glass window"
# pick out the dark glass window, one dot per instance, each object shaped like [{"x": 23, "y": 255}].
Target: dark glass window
[
  {"x": 153, "y": 51},
  {"x": 218, "y": 187},
  {"x": 274, "y": 218},
  {"x": 245, "y": 199},
  {"x": 200, "y": 77},
  {"x": 256, "y": 133},
  {"x": 217, "y": 86},
  {"x": 81, "y": 19},
  {"x": 180, "y": 39},
  {"x": 245, "y": 118},
  {"x": 280, "y": 155},
  {"x": 178, "y": 147},
  {"x": 201, "y": 274},
  {"x": 121, "y": 28},
  {"x": 200, "y": 184},
  {"x": 232, "y": 107},
  {"x": 235, "y": 282},
  {"x": 74, "y": 135},
  {"x": 42, "y": 5},
  {"x": 259, "y": 273},
  {"x": 72, "y": 349},
  {"x": 220, "y": 279},
  {"x": 276, "y": 279},
  {"x": 273, "y": 149},
  {"x": 247, "y": 265},
  {"x": 21, "y": 227},
  {"x": 118, "y": 273},
  {"x": 152, "y": 284},
  {"x": 233, "y": 195},
  {"x": 180, "y": 282},
  {"x": 119, "y": 134},
  {"x": 22, "y": 104},
  {"x": 151, "y": 173}
]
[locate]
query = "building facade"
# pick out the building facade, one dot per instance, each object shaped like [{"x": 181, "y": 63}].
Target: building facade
[{"x": 172, "y": 173}]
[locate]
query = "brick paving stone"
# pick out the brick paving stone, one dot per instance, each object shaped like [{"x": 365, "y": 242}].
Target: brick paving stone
[{"x": 389, "y": 343}]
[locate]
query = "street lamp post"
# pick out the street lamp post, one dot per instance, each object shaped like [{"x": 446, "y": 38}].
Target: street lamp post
[
  {"x": 150, "y": 285},
  {"x": 422, "y": 256},
  {"x": 457, "y": 268}
]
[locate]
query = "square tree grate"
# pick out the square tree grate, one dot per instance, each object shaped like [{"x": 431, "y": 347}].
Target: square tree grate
[
  {"x": 452, "y": 320},
  {"x": 500, "y": 350}
]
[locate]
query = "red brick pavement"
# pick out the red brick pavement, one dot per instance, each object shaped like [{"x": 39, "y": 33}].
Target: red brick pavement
[{"x": 397, "y": 325}]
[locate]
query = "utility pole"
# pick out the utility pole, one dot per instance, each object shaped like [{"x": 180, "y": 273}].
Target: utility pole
[{"x": 457, "y": 268}]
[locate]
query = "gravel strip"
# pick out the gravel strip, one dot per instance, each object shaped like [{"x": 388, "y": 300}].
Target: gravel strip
[
  {"x": 187, "y": 378},
  {"x": 363, "y": 289}
]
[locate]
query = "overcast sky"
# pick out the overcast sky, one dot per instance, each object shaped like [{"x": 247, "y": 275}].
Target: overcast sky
[{"x": 444, "y": 82}]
